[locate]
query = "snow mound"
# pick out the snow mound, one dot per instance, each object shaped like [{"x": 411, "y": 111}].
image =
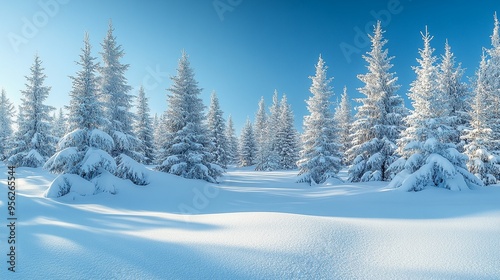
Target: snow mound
[{"x": 69, "y": 183}]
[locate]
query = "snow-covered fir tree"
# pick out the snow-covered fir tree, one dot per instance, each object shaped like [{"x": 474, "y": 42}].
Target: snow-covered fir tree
[
  {"x": 482, "y": 163},
  {"x": 319, "y": 158},
  {"x": 247, "y": 145},
  {"x": 84, "y": 151},
  {"x": 343, "y": 120},
  {"x": 115, "y": 98},
  {"x": 34, "y": 142},
  {"x": 379, "y": 120},
  {"x": 449, "y": 81},
  {"x": 217, "y": 132},
  {"x": 286, "y": 137},
  {"x": 143, "y": 129},
  {"x": 185, "y": 140},
  {"x": 59, "y": 124},
  {"x": 492, "y": 79},
  {"x": 260, "y": 132},
  {"x": 232, "y": 142},
  {"x": 6, "y": 112},
  {"x": 429, "y": 158},
  {"x": 269, "y": 146}
]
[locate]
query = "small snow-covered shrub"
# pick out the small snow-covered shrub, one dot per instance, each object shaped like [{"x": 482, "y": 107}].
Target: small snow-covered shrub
[
  {"x": 132, "y": 170},
  {"x": 69, "y": 183}
]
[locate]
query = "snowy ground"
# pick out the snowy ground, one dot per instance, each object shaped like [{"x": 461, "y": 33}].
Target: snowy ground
[{"x": 254, "y": 225}]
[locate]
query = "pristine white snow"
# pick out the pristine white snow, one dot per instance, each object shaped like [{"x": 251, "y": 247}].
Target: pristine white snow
[{"x": 253, "y": 225}]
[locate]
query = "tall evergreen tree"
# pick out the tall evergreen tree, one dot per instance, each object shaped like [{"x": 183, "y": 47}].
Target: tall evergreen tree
[
  {"x": 270, "y": 149},
  {"x": 143, "y": 129},
  {"x": 232, "y": 142},
  {"x": 482, "y": 162},
  {"x": 429, "y": 156},
  {"x": 379, "y": 119},
  {"x": 217, "y": 132},
  {"x": 185, "y": 141},
  {"x": 319, "y": 157},
  {"x": 449, "y": 81},
  {"x": 83, "y": 151},
  {"x": 343, "y": 119},
  {"x": 115, "y": 98},
  {"x": 59, "y": 124},
  {"x": 492, "y": 80},
  {"x": 247, "y": 145},
  {"x": 6, "y": 112},
  {"x": 33, "y": 140},
  {"x": 260, "y": 132},
  {"x": 286, "y": 137}
]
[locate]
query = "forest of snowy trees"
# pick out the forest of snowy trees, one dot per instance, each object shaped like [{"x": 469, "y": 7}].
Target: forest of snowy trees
[{"x": 450, "y": 138}]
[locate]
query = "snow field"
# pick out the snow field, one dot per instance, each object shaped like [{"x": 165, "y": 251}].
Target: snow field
[{"x": 259, "y": 225}]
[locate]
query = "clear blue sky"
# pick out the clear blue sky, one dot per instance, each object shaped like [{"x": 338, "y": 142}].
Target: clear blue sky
[{"x": 243, "y": 53}]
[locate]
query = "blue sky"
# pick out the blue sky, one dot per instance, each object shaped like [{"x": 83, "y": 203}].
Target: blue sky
[{"x": 243, "y": 49}]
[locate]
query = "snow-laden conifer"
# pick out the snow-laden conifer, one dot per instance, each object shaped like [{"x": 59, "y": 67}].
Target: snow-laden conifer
[
  {"x": 115, "y": 97},
  {"x": 343, "y": 120},
  {"x": 34, "y": 142},
  {"x": 83, "y": 151},
  {"x": 429, "y": 158},
  {"x": 143, "y": 129},
  {"x": 269, "y": 146},
  {"x": 185, "y": 141},
  {"x": 59, "y": 124},
  {"x": 319, "y": 157},
  {"x": 232, "y": 142},
  {"x": 286, "y": 137},
  {"x": 449, "y": 81},
  {"x": 7, "y": 111},
  {"x": 260, "y": 132},
  {"x": 379, "y": 120},
  {"x": 247, "y": 145},
  {"x": 217, "y": 132},
  {"x": 492, "y": 79},
  {"x": 482, "y": 163}
]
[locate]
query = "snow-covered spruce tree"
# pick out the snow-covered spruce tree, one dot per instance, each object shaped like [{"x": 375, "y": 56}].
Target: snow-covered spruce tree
[
  {"x": 319, "y": 157},
  {"x": 492, "y": 79},
  {"x": 232, "y": 142},
  {"x": 59, "y": 124},
  {"x": 247, "y": 145},
  {"x": 482, "y": 162},
  {"x": 449, "y": 81},
  {"x": 270, "y": 159},
  {"x": 6, "y": 112},
  {"x": 143, "y": 129},
  {"x": 157, "y": 136},
  {"x": 260, "y": 132},
  {"x": 429, "y": 158},
  {"x": 217, "y": 132},
  {"x": 343, "y": 120},
  {"x": 287, "y": 137},
  {"x": 115, "y": 98},
  {"x": 379, "y": 120},
  {"x": 185, "y": 140},
  {"x": 34, "y": 142},
  {"x": 83, "y": 153}
]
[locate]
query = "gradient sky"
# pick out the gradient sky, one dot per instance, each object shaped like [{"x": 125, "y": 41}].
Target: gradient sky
[{"x": 243, "y": 53}]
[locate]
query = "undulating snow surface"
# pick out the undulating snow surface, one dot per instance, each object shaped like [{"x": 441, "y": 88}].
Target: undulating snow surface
[{"x": 253, "y": 225}]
